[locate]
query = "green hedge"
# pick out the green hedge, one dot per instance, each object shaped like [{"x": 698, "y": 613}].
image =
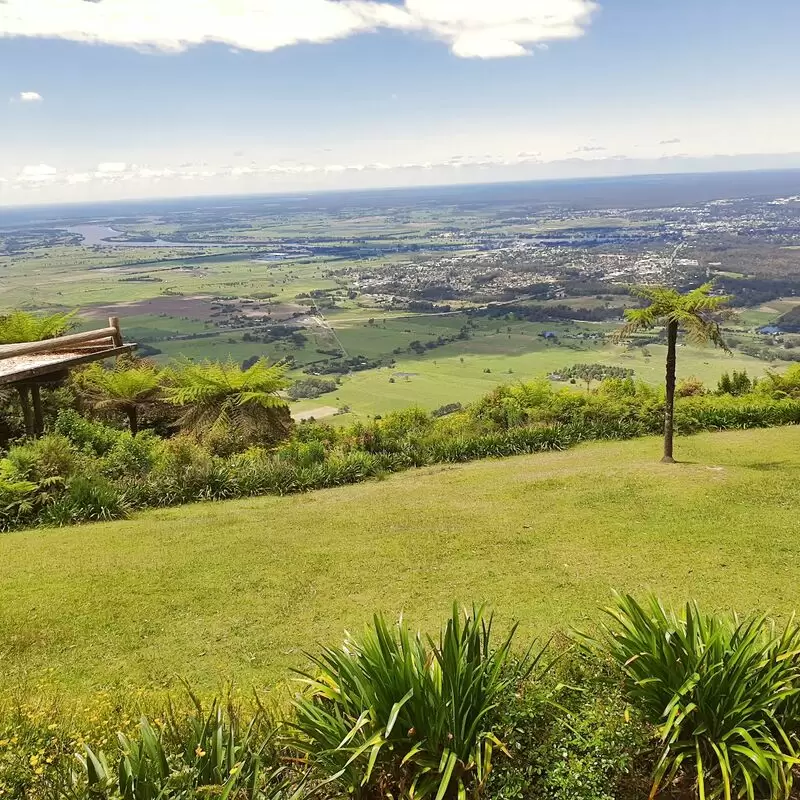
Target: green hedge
[{"x": 84, "y": 470}]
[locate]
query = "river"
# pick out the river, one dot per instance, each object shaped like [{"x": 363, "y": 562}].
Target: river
[{"x": 98, "y": 235}]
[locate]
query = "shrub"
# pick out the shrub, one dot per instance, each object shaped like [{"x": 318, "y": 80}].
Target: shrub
[
  {"x": 50, "y": 457},
  {"x": 86, "y": 434},
  {"x": 201, "y": 754},
  {"x": 21, "y": 326},
  {"x": 132, "y": 456},
  {"x": 391, "y": 714},
  {"x": 690, "y": 387},
  {"x": 779, "y": 386},
  {"x": 86, "y": 499},
  {"x": 311, "y": 387},
  {"x": 717, "y": 687},
  {"x": 18, "y": 502},
  {"x": 737, "y": 383},
  {"x": 573, "y": 738}
]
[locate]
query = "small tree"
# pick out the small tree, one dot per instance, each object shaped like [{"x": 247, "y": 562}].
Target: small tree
[
  {"x": 222, "y": 400},
  {"x": 128, "y": 389},
  {"x": 693, "y": 313}
]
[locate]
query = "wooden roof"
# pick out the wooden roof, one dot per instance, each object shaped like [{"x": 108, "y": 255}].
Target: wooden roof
[{"x": 35, "y": 360}]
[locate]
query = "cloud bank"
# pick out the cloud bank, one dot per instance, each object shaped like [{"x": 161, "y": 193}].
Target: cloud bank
[
  {"x": 471, "y": 28},
  {"x": 29, "y": 97}
]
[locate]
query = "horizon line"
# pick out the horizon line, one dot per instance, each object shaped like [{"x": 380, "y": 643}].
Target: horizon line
[{"x": 392, "y": 188}]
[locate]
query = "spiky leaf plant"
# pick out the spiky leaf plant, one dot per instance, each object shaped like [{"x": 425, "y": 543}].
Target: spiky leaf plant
[
  {"x": 719, "y": 690},
  {"x": 393, "y": 714}
]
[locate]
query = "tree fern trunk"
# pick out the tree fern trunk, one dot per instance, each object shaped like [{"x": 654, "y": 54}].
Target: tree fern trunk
[
  {"x": 133, "y": 419},
  {"x": 669, "y": 406}
]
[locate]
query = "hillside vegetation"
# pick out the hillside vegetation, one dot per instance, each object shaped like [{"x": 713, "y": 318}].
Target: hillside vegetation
[{"x": 241, "y": 589}]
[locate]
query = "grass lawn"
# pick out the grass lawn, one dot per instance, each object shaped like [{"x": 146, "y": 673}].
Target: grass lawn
[{"x": 241, "y": 589}]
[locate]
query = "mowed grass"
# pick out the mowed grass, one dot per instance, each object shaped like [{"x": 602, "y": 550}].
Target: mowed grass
[{"x": 241, "y": 589}]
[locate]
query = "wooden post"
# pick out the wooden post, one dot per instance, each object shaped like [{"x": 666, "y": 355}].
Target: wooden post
[
  {"x": 38, "y": 416},
  {"x": 27, "y": 414},
  {"x": 113, "y": 322}
]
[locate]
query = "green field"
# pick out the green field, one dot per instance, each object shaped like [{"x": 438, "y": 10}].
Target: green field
[
  {"x": 169, "y": 300},
  {"x": 241, "y": 589},
  {"x": 458, "y": 372}
]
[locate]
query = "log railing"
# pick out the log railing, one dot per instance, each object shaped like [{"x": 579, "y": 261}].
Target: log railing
[{"x": 102, "y": 339}]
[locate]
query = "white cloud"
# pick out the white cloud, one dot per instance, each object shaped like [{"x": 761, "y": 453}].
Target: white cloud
[
  {"x": 78, "y": 177},
  {"x": 472, "y": 28},
  {"x": 112, "y": 167},
  {"x": 29, "y": 97},
  {"x": 37, "y": 173}
]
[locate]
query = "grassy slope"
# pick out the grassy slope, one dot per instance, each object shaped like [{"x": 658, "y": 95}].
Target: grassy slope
[{"x": 240, "y": 589}]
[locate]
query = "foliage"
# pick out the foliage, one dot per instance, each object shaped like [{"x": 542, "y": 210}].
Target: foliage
[
  {"x": 394, "y": 714},
  {"x": 127, "y": 389},
  {"x": 89, "y": 498},
  {"x": 586, "y": 373},
  {"x": 717, "y": 687},
  {"x": 311, "y": 387},
  {"x": 690, "y": 387},
  {"x": 701, "y": 705},
  {"x": 199, "y": 754},
  {"x": 780, "y": 386},
  {"x": 86, "y": 435},
  {"x": 736, "y": 383},
  {"x": 695, "y": 312},
  {"x": 223, "y": 401},
  {"x": 146, "y": 470},
  {"x": 574, "y": 738},
  {"x": 20, "y": 326}
]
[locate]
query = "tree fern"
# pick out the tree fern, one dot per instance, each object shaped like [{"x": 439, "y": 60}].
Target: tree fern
[
  {"x": 222, "y": 400},
  {"x": 695, "y": 313},
  {"x": 127, "y": 389}
]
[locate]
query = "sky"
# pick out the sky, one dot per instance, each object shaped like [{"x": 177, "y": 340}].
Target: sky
[{"x": 116, "y": 99}]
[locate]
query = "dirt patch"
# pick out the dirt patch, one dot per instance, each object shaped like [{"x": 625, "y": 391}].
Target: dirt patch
[
  {"x": 203, "y": 308},
  {"x": 315, "y": 413}
]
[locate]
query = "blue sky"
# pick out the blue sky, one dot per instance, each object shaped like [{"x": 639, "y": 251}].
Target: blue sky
[{"x": 136, "y": 98}]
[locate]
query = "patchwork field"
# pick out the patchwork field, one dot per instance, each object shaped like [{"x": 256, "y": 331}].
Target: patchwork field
[{"x": 242, "y": 589}]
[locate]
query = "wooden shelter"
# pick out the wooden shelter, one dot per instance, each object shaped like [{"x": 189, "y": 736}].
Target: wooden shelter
[{"x": 30, "y": 365}]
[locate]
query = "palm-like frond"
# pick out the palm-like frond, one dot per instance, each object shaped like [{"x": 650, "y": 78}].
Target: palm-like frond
[
  {"x": 124, "y": 383},
  {"x": 220, "y": 397},
  {"x": 696, "y": 313},
  {"x": 20, "y": 326},
  {"x": 121, "y": 388},
  {"x": 718, "y": 689}
]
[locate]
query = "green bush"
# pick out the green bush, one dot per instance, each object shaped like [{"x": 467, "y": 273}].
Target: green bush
[
  {"x": 511, "y": 420},
  {"x": 132, "y": 456},
  {"x": 717, "y": 687},
  {"x": 94, "y": 437},
  {"x": 574, "y": 738},
  {"x": 394, "y": 715},
  {"x": 200, "y": 754},
  {"x": 86, "y": 499},
  {"x": 52, "y": 456}
]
